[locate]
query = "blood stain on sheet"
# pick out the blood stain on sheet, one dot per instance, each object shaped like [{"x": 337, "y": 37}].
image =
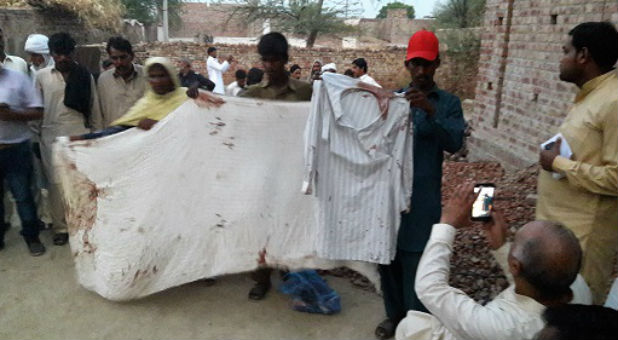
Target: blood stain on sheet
[{"x": 262, "y": 257}]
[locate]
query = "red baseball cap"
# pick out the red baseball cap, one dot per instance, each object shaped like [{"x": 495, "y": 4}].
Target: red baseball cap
[{"x": 423, "y": 44}]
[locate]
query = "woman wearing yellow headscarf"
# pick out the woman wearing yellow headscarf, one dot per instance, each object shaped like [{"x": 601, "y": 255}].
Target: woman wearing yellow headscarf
[{"x": 164, "y": 95}]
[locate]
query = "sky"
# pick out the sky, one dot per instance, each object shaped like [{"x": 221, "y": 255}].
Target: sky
[
  {"x": 421, "y": 7},
  {"x": 372, "y": 7}
]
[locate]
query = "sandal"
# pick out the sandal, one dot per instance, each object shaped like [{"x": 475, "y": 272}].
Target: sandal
[
  {"x": 386, "y": 329},
  {"x": 259, "y": 290}
]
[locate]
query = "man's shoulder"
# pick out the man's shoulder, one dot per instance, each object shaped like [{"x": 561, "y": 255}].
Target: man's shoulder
[
  {"x": 106, "y": 76},
  {"x": 253, "y": 91},
  {"x": 303, "y": 89},
  {"x": 12, "y": 75},
  {"x": 447, "y": 96}
]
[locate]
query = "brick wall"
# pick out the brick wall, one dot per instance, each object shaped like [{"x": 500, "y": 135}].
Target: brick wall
[
  {"x": 385, "y": 65},
  {"x": 520, "y": 101},
  {"x": 205, "y": 19}
]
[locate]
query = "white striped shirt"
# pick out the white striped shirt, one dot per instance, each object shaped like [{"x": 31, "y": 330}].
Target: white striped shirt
[{"x": 361, "y": 165}]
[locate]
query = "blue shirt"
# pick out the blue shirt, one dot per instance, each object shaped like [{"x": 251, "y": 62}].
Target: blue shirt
[{"x": 432, "y": 136}]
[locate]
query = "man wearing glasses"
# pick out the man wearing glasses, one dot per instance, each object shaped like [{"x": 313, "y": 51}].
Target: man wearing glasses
[{"x": 121, "y": 86}]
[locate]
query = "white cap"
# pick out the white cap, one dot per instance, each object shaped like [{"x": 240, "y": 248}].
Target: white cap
[
  {"x": 330, "y": 66},
  {"x": 37, "y": 43}
]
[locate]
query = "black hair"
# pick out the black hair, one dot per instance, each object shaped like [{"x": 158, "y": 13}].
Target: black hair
[
  {"x": 361, "y": 63},
  {"x": 540, "y": 270},
  {"x": 273, "y": 44},
  {"x": 241, "y": 74},
  {"x": 61, "y": 43},
  {"x": 119, "y": 43},
  {"x": 601, "y": 40},
  {"x": 254, "y": 76},
  {"x": 574, "y": 322},
  {"x": 211, "y": 49},
  {"x": 107, "y": 63},
  {"x": 294, "y": 68},
  {"x": 349, "y": 73}
]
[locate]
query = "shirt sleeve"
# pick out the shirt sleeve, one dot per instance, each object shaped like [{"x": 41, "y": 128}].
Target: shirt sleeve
[
  {"x": 205, "y": 82},
  {"x": 448, "y": 127},
  {"x": 459, "y": 313},
  {"x": 598, "y": 179},
  {"x": 96, "y": 116},
  {"x": 212, "y": 63},
  {"x": 31, "y": 96}
]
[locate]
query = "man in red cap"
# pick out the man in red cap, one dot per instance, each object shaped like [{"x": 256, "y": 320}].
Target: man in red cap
[{"x": 438, "y": 126}]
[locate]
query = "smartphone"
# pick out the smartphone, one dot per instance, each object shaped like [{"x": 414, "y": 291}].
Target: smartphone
[{"x": 481, "y": 209}]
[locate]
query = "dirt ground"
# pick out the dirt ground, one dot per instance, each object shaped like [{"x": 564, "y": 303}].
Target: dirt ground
[{"x": 40, "y": 299}]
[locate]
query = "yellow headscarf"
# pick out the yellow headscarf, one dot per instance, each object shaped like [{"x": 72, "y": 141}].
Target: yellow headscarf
[{"x": 155, "y": 106}]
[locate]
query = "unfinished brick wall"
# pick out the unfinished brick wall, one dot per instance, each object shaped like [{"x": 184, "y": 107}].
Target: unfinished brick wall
[
  {"x": 520, "y": 101},
  {"x": 385, "y": 65},
  {"x": 205, "y": 19}
]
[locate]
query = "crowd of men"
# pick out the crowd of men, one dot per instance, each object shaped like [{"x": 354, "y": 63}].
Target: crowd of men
[{"x": 556, "y": 265}]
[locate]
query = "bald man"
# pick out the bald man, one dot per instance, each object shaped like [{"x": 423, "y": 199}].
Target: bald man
[{"x": 542, "y": 266}]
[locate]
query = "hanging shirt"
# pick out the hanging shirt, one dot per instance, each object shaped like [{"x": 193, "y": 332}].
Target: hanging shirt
[
  {"x": 455, "y": 315},
  {"x": 586, "y": 199},
  {"x": 15, "y": 63},
  {"x": 215, "y": 73},
  {"x": 17, "y": 92},
  {"x": 358, "y": 154},
  {"x": 365, "y": 78},
  {"x": 118, "y": 95}
]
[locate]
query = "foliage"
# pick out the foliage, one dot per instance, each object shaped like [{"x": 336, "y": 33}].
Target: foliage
[
  {"x": 460, "y": 13},
  {"x": 302, "y": 17},
  {"x": 396, "y": 5},
  {"x": 97, "y": 13}
]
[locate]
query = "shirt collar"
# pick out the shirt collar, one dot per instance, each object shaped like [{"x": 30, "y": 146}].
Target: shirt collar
[
  {"x": 292, "y": 85},
  {"x": 592, "y": 84},
  {"x": 131, "y": 77}
]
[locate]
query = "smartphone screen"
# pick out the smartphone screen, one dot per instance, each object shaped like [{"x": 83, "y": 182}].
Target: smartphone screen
[{"x": 481, "y": 209}]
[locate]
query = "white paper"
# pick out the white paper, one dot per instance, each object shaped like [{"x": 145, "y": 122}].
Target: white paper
[{"x": 565, "y": 151}]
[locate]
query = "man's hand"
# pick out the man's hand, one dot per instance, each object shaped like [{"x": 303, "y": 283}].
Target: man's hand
[
  {"x": 207, "y": 99},
  {"x": 458, "y": 209},
  {"x": 418, "y": 98},
  {"x": 146, "y": 123},
  {"x": 193, "y": 90},
  {"x": 546, "y": 157},
  {"x": 495, "y": 230}
]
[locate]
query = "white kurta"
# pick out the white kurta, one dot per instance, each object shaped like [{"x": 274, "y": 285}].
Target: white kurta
[
  {"x": 215, "y": 73},
  {"x": 365, "y": 78},
  {"x": 361, "y": 165},
  {"x": 454, "y": 315}
]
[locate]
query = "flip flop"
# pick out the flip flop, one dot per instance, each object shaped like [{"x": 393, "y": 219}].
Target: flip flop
[
  {"x": 259, "y": 290},
  {"x": 385, "y": 330}
]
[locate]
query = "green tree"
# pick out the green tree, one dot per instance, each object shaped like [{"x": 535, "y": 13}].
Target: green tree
[
  {"x": 396, "y": 5},
  {"x": 149, "y": 11},
  {"x": 302, "y": 17},
  {"x": 459, "y": 13}
]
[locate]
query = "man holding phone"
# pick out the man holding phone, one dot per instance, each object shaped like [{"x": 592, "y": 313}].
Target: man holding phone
[{"x": 438, "y": 122}]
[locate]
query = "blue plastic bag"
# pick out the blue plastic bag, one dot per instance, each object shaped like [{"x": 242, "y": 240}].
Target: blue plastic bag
[{"x": 310, "y": 293}]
